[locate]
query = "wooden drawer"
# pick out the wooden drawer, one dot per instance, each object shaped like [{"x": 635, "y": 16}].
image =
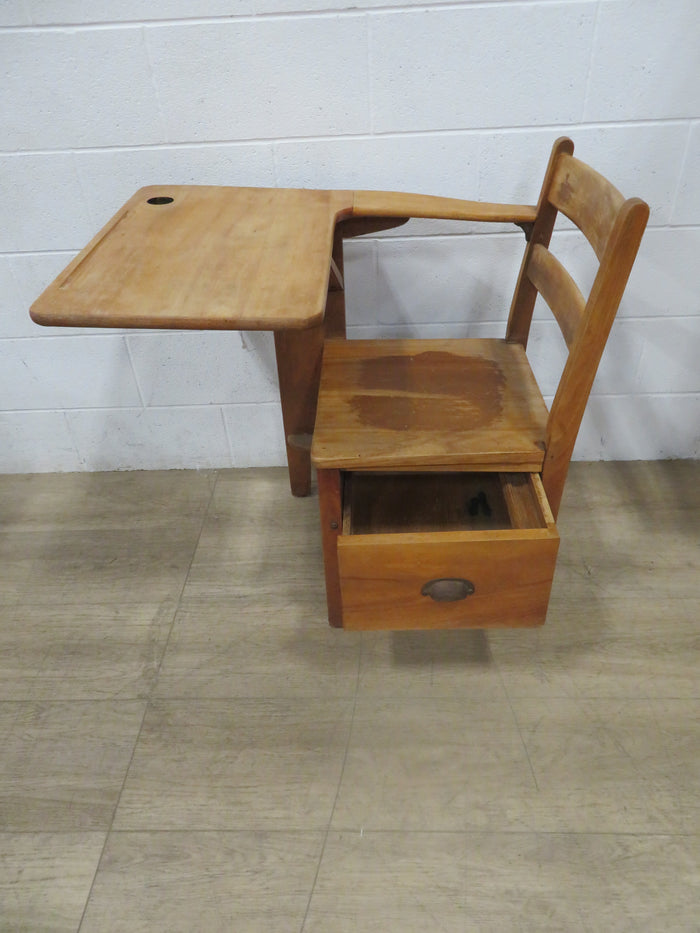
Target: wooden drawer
[{"x": 445, "y": 550}]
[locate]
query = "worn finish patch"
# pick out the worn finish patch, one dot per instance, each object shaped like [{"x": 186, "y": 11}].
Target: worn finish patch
[{"x": 434, "y": 390}]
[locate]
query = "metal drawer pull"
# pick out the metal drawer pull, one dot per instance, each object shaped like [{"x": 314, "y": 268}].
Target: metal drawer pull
[{"x": 447, "y": 589}]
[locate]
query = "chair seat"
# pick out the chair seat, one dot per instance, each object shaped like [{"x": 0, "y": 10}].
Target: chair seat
[{"x": 427, "y": 404}]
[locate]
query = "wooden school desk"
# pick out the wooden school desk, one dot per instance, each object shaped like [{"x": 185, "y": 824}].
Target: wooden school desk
[
  {"x": 219, "y": 258},
  {"x": 440, "y": 467}
]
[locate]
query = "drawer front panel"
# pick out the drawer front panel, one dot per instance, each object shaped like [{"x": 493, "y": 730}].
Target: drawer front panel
[{"x": 382, "y": 578}]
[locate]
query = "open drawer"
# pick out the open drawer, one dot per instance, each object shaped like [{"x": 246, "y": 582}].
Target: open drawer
[{"x": 445, "y": 550}]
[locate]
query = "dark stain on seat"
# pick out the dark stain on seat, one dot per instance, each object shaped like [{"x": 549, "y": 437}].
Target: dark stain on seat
[{"x": 434, "y": 390}]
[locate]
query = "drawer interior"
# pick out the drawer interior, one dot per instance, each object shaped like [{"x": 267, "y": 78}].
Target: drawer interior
[{"x": 399, "y": 503}]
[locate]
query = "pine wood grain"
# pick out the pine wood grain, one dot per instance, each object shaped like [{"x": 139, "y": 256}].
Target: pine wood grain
[
  {"x": 213, "y": 257},
  {"x": 398, "y": 204},
  {"x": 558, "y": 289},
  {"x": 525, "y": 500},
  {"x": 206, "y": 257},
  {"x": 474, "y": 404},
  {"x": 587, "y": 198},
  {"x": 581, "y": 366},
  {"x": 525, "y": 295}
]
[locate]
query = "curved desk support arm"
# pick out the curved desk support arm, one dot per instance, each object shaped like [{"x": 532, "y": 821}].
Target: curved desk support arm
[{"x": 397, "y": 204}]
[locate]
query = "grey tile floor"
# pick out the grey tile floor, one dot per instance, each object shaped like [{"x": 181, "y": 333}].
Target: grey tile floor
[{"x": 187, "y": 746}]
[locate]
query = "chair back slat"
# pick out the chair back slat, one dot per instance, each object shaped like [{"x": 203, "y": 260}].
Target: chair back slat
[
  {"x": 525, "y": 294},
  {"x": 587, "y": 348},
  {"x": 586, "y": 198},
  {"x": 558, "y": 289},
  {"x": 613, "y": 226}
]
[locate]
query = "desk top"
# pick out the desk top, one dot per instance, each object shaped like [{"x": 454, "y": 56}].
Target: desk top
[{"x": 205, "y": 257}]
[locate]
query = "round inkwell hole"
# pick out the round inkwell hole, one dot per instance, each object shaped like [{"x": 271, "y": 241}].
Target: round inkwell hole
[{"x": 160, "y": 200}]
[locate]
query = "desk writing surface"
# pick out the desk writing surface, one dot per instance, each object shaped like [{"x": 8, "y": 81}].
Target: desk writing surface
[
  {"x": 220, "y": 258},
  {"x": 209, "y": 258}
]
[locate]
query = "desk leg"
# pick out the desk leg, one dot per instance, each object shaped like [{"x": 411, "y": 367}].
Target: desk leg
[
  {"x": 299, "y": 355},
  {"x": 331, "y": 503}
]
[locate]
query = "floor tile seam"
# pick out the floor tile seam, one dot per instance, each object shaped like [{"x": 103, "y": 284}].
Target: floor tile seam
[
  {"x": 349, "y": 830},
  {"x": 261, "y": 698},
  {"x": 52, "y": 832},
  {"x": 605, "y": 697},
  {"x": 280, "y": 698},
  {"x": 450, "y": 696},
  {"x": 364, "y": 831},
  {"x": 187, "y": 831},
  {"x": 102, "y": 524},
  {"x": 177, "y": 601},
  {"x": 358, "y": 675},
  {"x": 134, "y": 824},
  {"x": 57, "y": 701},
  {"x": 147, "y": 701},
  {"x": 315, "y": 697},
  {"x": 147, "y": 704},
  {"x": 49, "y": 603},
  {"x": 114, "y": 812},
  {"x": 333, "y": 807},
  {"x": 517, "y": 726}
]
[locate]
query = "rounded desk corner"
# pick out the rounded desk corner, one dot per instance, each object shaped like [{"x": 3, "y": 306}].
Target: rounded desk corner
[
  {"x": 148, "y": 190},
  {"x": 153, "y": 194},
  {"x": 35, "y": 313}
]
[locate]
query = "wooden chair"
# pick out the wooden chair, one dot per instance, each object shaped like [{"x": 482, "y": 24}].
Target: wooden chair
[{"x": 440, "y": 469}]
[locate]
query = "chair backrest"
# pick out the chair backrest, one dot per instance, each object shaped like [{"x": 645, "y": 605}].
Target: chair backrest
[{"x": 614, "y": 228}]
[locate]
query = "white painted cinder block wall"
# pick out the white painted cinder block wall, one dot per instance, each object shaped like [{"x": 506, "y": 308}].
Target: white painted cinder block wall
[{"x": 463, "y": 99}]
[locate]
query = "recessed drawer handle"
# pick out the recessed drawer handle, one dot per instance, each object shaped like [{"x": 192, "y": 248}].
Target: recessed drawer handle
[{"x": 447, "y": 589}]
